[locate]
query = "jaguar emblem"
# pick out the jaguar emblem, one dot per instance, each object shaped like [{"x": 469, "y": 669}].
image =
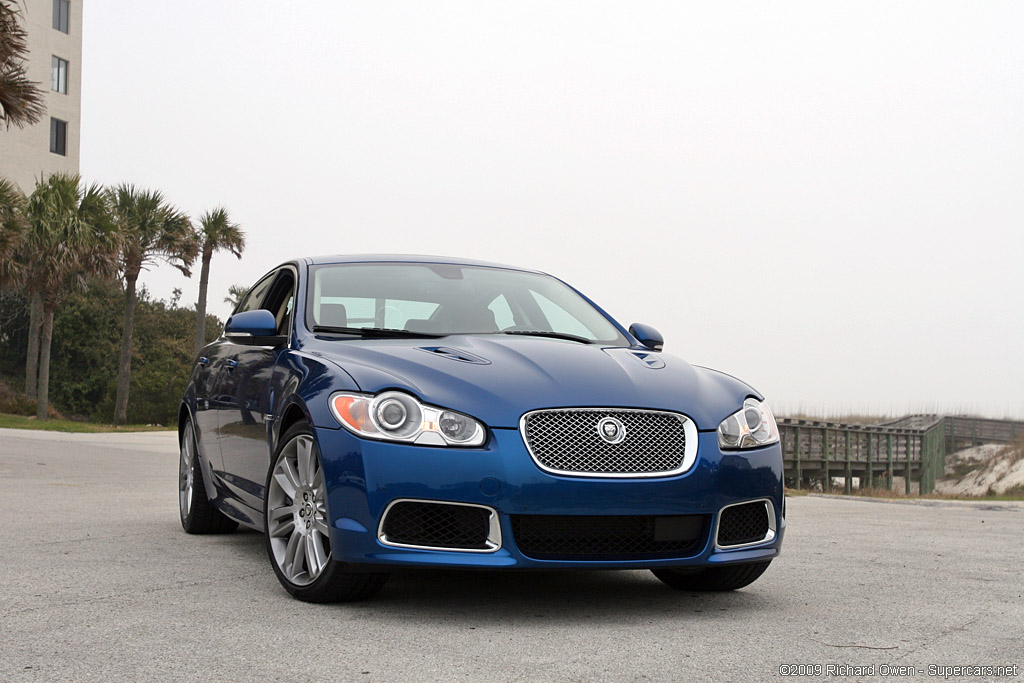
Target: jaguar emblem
[{"x": 611, "y": 430}]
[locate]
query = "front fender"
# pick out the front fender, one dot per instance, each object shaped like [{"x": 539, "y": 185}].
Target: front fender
[{"x": 300, "y": 389}]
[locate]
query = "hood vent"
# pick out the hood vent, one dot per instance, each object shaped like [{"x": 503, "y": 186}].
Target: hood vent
[
  {"x": 650, "y": 360},
  {"x": 455, "y": 354}
]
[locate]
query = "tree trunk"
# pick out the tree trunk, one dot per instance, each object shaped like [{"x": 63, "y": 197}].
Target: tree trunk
[
  {"x": 32, "y": 361},
  {"x": 124, "y": 369},
  {"x": 46, "y": 336},
  {"x": 204, "y": 283}
]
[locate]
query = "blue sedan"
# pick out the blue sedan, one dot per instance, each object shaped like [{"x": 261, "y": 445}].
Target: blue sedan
[{"x": 375, "y": 412}]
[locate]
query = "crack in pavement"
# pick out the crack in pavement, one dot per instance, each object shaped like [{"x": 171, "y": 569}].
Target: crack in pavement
[{"x": 137, "y": 591}]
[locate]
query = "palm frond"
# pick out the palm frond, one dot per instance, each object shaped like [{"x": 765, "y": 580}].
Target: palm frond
[
  {"x": 69, "y": 236},
  {"x": 150, "y": 229},
  {"x": 218, "y": 232},
  {"x": 13, "y": 226},
  {"x": 22, "y": 102}
]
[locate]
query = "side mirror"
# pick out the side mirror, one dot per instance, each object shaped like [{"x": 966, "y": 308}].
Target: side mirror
[
  {"x": 647, "y": 335},
  {"x": 258, "y": 328}
]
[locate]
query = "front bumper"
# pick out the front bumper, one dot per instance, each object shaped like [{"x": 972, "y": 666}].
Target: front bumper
[{"x": 364, "y": 477}]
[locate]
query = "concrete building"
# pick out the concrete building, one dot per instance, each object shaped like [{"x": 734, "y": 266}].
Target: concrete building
[{"x": 54, "y": 30}]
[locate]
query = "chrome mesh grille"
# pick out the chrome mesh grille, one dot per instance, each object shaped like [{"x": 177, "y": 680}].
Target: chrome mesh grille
[{"x": 567, "y": 441}]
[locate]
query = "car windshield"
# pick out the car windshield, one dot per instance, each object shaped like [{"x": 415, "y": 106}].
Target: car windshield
[{"x": 441, "y": 299}]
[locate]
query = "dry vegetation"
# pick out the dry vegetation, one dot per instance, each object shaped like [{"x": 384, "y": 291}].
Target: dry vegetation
[{"x": 850, "y": 419}]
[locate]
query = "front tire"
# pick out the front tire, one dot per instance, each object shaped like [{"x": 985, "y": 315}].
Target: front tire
[
  {"x": 298, "y": 527},
  {"x": 198, "y": 514},
  {"x": 727, "y": 578}
]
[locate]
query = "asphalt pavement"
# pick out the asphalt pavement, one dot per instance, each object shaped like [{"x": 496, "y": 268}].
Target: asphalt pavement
[{"x": 99, "y": 582}]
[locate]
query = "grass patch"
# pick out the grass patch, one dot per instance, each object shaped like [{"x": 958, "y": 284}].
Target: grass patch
[
  {"x": 1016, "y": 493},
  {"x": 962, "y": 469},
  {"x": 24, "y": 422}
]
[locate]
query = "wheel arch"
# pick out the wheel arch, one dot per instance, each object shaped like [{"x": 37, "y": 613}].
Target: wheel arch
[
  {"x": 184, "y": 413},
  {"x": 294, "y": 412}
]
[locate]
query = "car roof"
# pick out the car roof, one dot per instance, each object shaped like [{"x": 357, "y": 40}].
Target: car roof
[{"x": 408, "y": 258}]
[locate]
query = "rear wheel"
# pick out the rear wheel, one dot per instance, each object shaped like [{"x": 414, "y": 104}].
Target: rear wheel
[
  {"x": 198, "y": 514},
  {"x": 298, "y": 528},
  {"x": 727, "y": 578}
]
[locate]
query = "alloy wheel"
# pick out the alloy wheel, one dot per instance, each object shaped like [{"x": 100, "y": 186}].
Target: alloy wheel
[
  {"x": 297, "y": 513},
  {"x": 186, "y": 476}
]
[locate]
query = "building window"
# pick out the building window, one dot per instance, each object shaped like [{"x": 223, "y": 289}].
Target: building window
[
  {"x": 59, "y": 137},
  {"x": 61, "y": 10},
  {"x": 59, "y": 74}
]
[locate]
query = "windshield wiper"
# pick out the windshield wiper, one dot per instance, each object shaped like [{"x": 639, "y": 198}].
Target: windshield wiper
[
  {"x": 553, "y": 335},
  {"x": 376, "y": 332}
]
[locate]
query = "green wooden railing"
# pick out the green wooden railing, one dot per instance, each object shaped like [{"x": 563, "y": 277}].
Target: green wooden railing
[
  {"x": 912, "y": 448},
  {"x": 818, "y": 453}
]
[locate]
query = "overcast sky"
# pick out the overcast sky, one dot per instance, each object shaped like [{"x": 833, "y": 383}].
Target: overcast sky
[{"x": 824, "y": 199}]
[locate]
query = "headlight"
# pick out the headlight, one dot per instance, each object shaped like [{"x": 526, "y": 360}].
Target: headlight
[
  {"x": 397, "y": 416},
  {"x": 750, "y": 427}
]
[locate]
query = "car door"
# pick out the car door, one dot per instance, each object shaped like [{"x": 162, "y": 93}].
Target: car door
[
  {"x": 246, "y": 407},
  {"x": 211, "y": 363}
]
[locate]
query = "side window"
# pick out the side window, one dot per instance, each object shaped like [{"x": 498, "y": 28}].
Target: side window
[
  {"x": 251, "y": 301},
  {"x": 281, "y": 300}
]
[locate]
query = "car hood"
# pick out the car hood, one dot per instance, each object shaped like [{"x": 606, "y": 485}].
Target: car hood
[{"x": 497, "y": 379}]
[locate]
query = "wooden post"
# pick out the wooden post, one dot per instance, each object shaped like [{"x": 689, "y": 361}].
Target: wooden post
[
  {"x": 908, "y": 464},
  {"x": 848, "y": 488},
  {"x": 926, "y": 446},
  {"x": 927, "y": 457},
  {"x": 826, "y": 483},
  {"x": 871, "y": 474},
  {"x": 888, "y": 470},
  {"x": 799, "y": 466},
  {"x": 923, "y": 488}
]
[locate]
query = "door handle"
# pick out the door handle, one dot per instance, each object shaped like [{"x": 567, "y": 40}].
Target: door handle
[
  {"x": 203, "y": 360},
  {"x": 232, "y": 364}
]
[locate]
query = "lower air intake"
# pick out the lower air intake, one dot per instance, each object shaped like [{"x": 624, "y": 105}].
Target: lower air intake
[
  {"x": 634, "y": 537},
  {"x": 444, "y": 526},
  {"x": 743, "y": 524}
]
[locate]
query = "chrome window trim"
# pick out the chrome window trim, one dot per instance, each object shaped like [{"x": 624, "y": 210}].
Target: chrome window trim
[
  {"x": 493, "y": 541},
  {"x": 689, "y": 447},
  {"x": 768, "y": 537}
]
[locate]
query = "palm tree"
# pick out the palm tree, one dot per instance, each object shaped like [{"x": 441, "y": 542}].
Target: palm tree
[
  {"x": 217, "y": 232},
  {"x": 149, "y": 229},
  {"x": 12, "y": 229},
  {"x": 69, "y": 238},
  {"x": 235, "y": 294},
  {"x": 21, "y": 100}
]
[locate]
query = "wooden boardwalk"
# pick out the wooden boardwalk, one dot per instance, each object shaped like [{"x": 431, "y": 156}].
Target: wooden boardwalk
[{"x": 913, "y": 448}]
